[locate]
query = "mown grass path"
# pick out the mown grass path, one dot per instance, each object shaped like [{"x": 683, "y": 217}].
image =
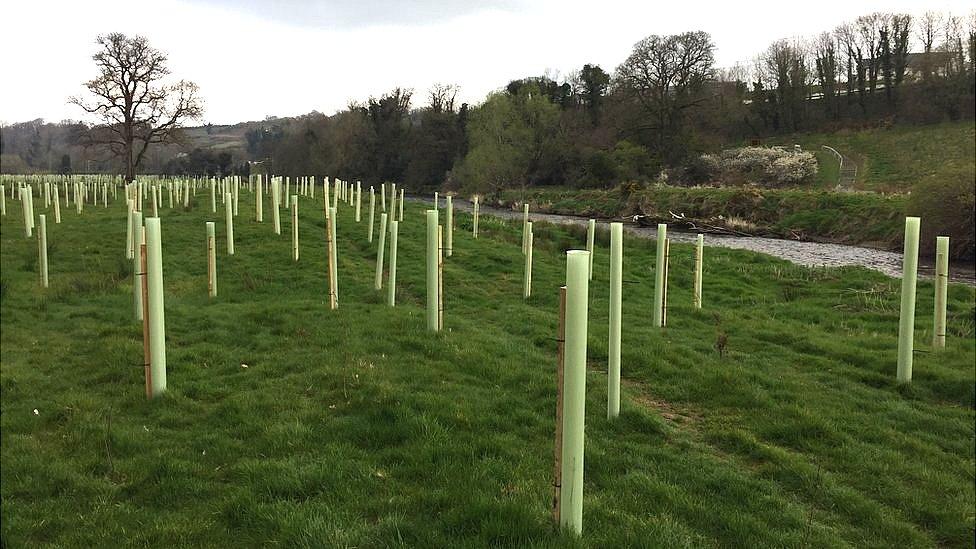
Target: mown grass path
[{"x": 357, "y": 427}]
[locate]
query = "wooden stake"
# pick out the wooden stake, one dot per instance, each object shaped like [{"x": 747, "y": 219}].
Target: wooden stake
[
  {"x": 146, "y": 355},
  {"x": 440, "y": 277},
  {"x": 333, "y": 299},
  {"x": 667, "y": 264},
  {"x": 211, "y": 259},
  {"x": 697, "y": 294},
  {"x": 560, "y": 350},
  {"x": 294, "y": 227}
]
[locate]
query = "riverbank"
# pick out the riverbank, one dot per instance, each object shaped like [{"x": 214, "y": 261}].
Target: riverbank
[
  {"x": 808, "y": 254},
  {"x": 870, "y": 220}
]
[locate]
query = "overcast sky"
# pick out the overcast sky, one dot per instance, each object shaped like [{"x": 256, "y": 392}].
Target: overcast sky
[{"x": 258, "y": 58}]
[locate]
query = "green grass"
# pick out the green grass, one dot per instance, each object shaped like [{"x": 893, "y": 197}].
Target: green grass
[
  {"x": 358, "y": 427},
  {"x": 895, "y": 159}
]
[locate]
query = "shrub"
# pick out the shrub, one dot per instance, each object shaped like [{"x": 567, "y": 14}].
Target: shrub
[
  {"x": 600, "y": 169},
  {"x": 764, "y": 166},
  {"x": 702, "y": 169},
  {"x": 947, "y": 209},
  {"x": 769, "y": 166}
]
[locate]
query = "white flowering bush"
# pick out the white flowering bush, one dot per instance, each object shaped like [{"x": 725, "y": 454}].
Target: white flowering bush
[
  {"x": 765, "y": 166},
  {"x": 768, "y": 166}
]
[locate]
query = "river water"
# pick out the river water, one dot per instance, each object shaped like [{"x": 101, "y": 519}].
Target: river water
[{"x": 810, "y": 254}]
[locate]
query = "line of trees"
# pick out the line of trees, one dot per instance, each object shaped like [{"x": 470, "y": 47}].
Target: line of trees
[{"x": 663, "y": 106}]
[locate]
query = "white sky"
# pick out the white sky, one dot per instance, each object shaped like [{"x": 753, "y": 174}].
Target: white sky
[{"x": 287, "y": 57}]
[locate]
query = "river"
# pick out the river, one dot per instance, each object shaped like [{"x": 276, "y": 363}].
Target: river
[{"x": 810, "y": 254}]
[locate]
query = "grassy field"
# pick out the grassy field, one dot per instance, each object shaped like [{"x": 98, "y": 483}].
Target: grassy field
[
  {"x": 357, "y": 427},
  {"x": 898, "y": 158}
]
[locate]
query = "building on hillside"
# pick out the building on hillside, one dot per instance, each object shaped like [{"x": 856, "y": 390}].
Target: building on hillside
[{"x": 934, "y": 62}]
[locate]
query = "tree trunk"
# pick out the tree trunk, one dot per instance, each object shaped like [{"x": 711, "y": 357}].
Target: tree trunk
[{"x": 130, "y": 170}]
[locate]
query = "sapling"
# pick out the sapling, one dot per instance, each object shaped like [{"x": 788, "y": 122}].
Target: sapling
[
  {"x": 699, "y": 251},
  {"x": 229, "y": 208},
  {"x": 129, "y": 248},
  {"x": 258, "y": 203},
  {"x": 449, "y": 241},
  {"x": 474, "y": 227},
  {"x": 574, "y": 390},
  {"x": 211, "y": 259},
  {"x": 378, "y": 281},
  {"x": 527, "y": 280},
  {"x": 157, "y": 321},
  {"x": 372, "y": 211},
  {"x": 359, "y": 199},
  {"x": 440, "y": 277},
  {"x": 941, "y": 291},
  {"x": 590, "y": 239},
  {"x": 294, "y": 226},
  {"x": 275, "y": 208},
  {"x": 335, "y": 255},
  {"x": 391, "y": 289},
  {"x": 616, "y": 303},
  {"x": 135, "y": 220},
  {"x": 42, "y": 248},
  {"x": 662, "y": 237},
  {"x": 906, "y": 324},
  {"x": 25, "y": 207},
  {"x": 432, "y": 306}
]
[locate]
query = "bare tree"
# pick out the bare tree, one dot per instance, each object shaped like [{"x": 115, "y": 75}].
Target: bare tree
[
  {"x": 787, "y": 64},
  {"x": 441, "y": 97},
  {"x": 137, "y": 108},
  {"x": 955, "y": 61},
  {"x": 972, "y": 43},
  {"x": 825, "y": 52},
  {"x": 901, "y": 29},
  {"x": 848, "y": 38},
  {"x": 666, "y": 75},
  {"x": 869, "y": 28},
  {"x": 929, "y": 28}
]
